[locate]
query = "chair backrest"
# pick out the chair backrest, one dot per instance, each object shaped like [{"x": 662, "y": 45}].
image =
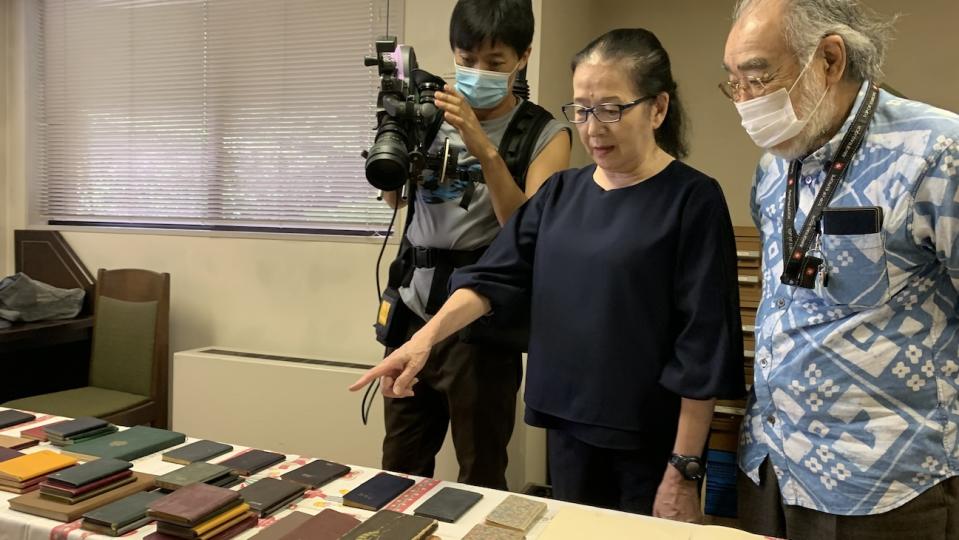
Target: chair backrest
[{"x": 131, "y": 332}]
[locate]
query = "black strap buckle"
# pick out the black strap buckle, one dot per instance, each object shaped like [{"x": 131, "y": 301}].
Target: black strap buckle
[{"x": 424, "y": 257}]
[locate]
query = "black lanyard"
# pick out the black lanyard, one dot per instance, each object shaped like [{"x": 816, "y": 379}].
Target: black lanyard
[{"x": 797, "y": 246}]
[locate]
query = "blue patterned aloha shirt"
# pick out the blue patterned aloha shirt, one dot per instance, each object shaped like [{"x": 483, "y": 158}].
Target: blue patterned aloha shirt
[{"x": 855, "y": 395}]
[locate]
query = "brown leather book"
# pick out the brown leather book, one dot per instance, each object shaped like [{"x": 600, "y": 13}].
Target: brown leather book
[
  {"x": 193, "y": 504},
  {"x": 282, "y": 526},
  {"x": 32, "y": 503},
  {"x": 6, "y": 453},
  {"x": 327, "y": 525}
]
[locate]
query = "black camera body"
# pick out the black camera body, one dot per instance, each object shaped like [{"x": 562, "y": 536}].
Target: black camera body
[{"x": 407, "y": 120}]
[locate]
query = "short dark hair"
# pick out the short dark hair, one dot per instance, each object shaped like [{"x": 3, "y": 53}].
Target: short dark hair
[
  {"x": 651, "y": 74},
  {"x": 500, "y": 21}
]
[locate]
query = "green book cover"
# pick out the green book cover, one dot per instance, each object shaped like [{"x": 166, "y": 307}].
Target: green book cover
[
  {"x": 191, "y": 474},
  {"x": 129, "y": 444}
]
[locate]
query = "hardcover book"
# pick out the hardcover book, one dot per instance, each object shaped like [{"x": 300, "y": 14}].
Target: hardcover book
[
  {"x": 85, "y": 436},
  {"x": 448, "y": 504},
  {"x": 38, "y": 433},
  {"x": 390, "y": 525},
  {"x": 327, "y": 525},
  {"x": 283, "y": 526},
  {"x": 91, "y": 471},
  {"x": 192, "y": 474},
  {"x": 69, "y": 428},
  {"x": 13, "y": 417},
  {"x": 118, "y": 514},
  {"x": 271, "y": 494},
  {"x": 193, "y": 504},
  {"x": 196, "y": 451},
  {"x": 252, "y": 462},
  {"x": 518, "y": 513},
  {"x": 87, "y": 493},
  {"x": 317, "y": 473},
  {"x": 377, "y": 492},
  {"x": 127, "y": 445},
  {"x": 34, "y": 465}
]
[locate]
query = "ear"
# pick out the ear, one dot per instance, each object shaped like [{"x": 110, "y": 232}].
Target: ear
[
  {"x": 834, "y": 51},
  {"x": 524, "y": 58},
  {"x": 657, "y": 112}
]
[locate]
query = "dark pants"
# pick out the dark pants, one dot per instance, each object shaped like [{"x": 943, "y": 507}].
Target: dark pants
[
  {"x": 933, "y": 515},
  {"x": 624, "y": 480},
  {"x": 471, "y": 388}
]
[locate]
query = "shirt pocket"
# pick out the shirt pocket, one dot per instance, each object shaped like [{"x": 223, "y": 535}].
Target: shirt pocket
[{"x": 858, "y": 276}]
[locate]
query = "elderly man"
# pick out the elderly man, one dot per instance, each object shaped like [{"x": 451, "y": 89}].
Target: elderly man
[{"x": 852, "y": 421}]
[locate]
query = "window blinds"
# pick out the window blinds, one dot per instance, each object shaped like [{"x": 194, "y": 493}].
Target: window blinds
[{"x": 213, "y": 114}]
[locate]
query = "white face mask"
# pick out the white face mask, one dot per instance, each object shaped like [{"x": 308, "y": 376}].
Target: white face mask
[{"x": 770, "y": 120}]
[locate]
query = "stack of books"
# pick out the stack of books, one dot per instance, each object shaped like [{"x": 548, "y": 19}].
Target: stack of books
[
  {"x": 83, "y": 482},
  {"x": 39, "y": 505},
  {"x": 79, "y": 430},
  {"x": 199, "y": 472},
  {"x": 202, "y": 511},
  {"x": 121, "y": 517},
  {"x": 39, "y": 433},
  {"x": 24, "y": 473}
]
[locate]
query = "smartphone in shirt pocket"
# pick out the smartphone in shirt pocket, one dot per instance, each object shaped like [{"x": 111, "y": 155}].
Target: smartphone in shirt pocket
[{"x": 853, "y": 247}]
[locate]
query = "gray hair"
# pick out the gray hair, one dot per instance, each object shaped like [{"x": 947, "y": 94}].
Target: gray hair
[{"x": 865, "y": 33}]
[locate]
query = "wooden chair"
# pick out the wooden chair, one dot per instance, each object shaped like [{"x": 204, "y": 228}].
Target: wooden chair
[{"x": 129, "y": 364}]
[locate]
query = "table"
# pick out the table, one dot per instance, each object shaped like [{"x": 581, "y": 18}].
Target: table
[{"x": 19, "y": 526}]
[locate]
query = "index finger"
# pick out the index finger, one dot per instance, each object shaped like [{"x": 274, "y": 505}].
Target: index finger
[{"x": 374, "y": 372}]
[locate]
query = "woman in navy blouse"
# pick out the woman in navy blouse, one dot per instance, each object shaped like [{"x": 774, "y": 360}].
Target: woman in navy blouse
[{"x": 628, "y": 268}]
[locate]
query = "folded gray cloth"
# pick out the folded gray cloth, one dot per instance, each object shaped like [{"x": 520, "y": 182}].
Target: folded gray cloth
[{"x": 23, "y": 299}]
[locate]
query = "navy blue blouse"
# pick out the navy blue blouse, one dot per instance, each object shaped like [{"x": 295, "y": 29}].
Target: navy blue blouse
[{"x": 633, "y": 300}]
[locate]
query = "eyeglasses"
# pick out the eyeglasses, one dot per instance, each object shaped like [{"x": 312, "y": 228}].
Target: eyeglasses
[
  {"x": 749, "y": 86},
  {"x": 606, "y": 113}
]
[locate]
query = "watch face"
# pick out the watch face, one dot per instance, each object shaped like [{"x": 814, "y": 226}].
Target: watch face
[{"x": 693, "y": 469}]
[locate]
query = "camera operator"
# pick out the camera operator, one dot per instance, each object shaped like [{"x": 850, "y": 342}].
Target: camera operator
[{"x": 472, "y": 386}]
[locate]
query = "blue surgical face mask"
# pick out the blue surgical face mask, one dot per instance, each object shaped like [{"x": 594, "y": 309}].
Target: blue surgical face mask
[{"x": 482, "y": 89}]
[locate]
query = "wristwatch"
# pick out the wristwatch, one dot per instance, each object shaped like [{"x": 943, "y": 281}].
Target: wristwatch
[{"x": 691, "y": 467}]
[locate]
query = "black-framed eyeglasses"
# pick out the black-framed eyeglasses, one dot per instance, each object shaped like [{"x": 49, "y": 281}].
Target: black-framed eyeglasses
[{"x": 604, "y": 112}]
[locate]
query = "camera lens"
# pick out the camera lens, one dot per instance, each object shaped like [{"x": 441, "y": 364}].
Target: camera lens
[{"x": 388, "y": 161}]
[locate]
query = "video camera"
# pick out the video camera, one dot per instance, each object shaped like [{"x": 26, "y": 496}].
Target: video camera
[{"x": 407, "y": 120}]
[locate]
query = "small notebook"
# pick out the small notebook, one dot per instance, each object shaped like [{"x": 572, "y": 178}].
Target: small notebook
[
  {"x": 77, "y": 426},
  {"x": 193, "y": 504},
  {"x": 13, "y": 417},
  {"x": 518, "y": 513},
  {"x": 91, "y": 471},
  {"x": 252, "y": 462},
  {"x": 377, "y": 492},
  {"x": 196, "y": 451},
  {"x": 317, "y": 473},
  {"x": 387, "y": 524},
  {"x": 192, "y": 474},
  {"x": 448, "y": 504},
  {"x": 271, "y": 494}
]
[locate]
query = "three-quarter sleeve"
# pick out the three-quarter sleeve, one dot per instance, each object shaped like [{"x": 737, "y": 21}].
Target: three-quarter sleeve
[
  {"x": 708, "y": 352},
  {"x": 504, "y": 273}
]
